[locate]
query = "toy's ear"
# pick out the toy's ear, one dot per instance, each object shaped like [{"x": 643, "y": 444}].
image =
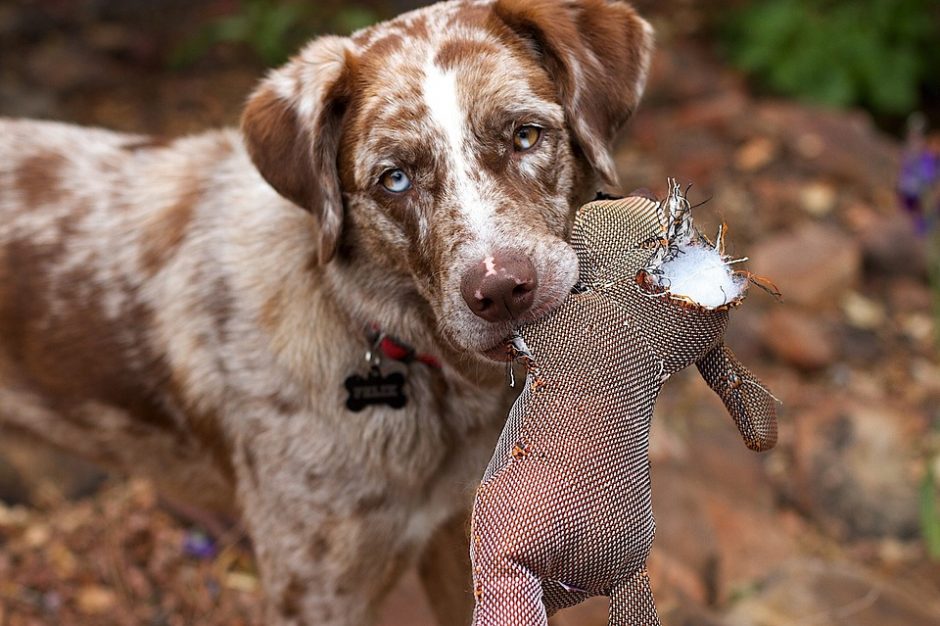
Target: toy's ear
[
  {"x": 750, "y": 404},
  {"x": 597, "y": 52},
  {"x": 292, "y": 125}
]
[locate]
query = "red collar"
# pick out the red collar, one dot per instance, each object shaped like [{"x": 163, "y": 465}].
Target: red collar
[{"x": 397, "y": 350}]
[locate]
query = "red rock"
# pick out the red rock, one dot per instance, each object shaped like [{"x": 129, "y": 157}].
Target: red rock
[
  {"x": 756, "y": 154},
  {"x": 852, "y": 459},
  {"x": 908, "y": 294},
  {"x": 811, "y": 265},
  {"x": 798, "y": 338},
  {"x": 891, "y": 246}
]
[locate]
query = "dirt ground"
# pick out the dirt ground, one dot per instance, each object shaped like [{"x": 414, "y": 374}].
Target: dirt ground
[{"x": 825, "y": 529}]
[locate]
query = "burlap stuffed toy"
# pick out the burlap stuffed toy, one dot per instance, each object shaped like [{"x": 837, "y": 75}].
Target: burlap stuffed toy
[{"x": 564, "y": 509}]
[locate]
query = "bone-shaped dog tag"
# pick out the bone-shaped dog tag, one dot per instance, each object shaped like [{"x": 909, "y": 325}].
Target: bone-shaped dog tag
[{"x": 375, "y": 389}]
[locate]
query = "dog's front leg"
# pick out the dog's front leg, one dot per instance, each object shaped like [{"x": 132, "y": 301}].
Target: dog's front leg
[
  {"x": 444, "y": 569},
  {"x": 328, "y": 541}
]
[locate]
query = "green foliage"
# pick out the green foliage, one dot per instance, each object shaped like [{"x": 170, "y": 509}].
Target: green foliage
[
  {"x": 271, "y": 29},
  {"x": 880, "y": 54},
  {"x": 930, "y": 513}
]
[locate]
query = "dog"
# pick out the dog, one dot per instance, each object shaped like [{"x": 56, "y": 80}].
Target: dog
[{"x": 208, "y": 310}]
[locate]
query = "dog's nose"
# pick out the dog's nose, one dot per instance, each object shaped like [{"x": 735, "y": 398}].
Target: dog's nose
[{"x": 501, "y": 287}]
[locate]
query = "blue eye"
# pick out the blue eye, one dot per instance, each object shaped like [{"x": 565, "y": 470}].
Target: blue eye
[{"x": 395, "y": 181}]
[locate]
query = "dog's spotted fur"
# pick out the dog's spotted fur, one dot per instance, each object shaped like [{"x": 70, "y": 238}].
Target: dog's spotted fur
[{"x": 164, "y": 309}]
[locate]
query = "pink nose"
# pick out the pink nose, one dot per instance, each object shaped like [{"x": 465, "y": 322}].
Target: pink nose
[{"x": 501, "y": 287}]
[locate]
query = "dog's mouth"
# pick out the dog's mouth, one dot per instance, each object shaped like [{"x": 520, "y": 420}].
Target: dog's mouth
[
  {"x": 489, "y": 340},
  {"x": 500, "y": 352}
]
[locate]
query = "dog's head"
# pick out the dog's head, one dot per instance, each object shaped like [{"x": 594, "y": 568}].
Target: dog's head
[{"x": 453, "y": 145}]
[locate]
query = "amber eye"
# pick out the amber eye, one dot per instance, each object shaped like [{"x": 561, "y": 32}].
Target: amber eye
[
  {"x": 526, "y": 137},
  {"x": 395, "y": 181}
]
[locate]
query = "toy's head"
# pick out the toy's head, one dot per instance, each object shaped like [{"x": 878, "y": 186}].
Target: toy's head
[{"x": 651, "y": 283}]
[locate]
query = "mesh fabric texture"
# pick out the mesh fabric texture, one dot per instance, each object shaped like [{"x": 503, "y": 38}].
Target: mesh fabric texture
[{"x": 564, "y": 509}]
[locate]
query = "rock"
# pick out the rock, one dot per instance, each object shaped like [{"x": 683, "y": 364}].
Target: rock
[
  {"x": 95, "y": 599},
  {"x": 755, "y": 154},
  {"x": 831, "y": 594},
  {"x": 852, "y": 466},
  {"x": 891, "y": 246},
  {"x": 860, "y": 345},
  {"x": 798, "y": 338},
  {"x": 812, "y": 265},
  {"x": 863, "y": 312},
  {"x": 917, "y": 327},
  {"x": 810, "y": 145},
  {"x": 717, "y": 525},
  {"x": 775, "y": 198},
  {"x": 909, "y": 294},
  {"x": 818, "y": 198},
  {"x": 844, "y": 145}
]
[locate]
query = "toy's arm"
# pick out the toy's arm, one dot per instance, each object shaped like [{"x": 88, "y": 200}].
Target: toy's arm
[{"x": 750, "y": 404}]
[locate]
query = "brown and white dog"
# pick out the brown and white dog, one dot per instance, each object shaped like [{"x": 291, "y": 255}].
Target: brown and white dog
[{"x": 191, "y": 309}]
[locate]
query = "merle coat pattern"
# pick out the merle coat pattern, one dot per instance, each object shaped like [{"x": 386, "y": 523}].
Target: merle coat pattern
[{"x": 190, "y": 309}]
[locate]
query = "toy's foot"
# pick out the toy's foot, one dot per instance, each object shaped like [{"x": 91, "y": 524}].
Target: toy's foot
[{"x": 631, "y": 603}]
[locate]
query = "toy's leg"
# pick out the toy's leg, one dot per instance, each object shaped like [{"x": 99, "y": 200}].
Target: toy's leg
[
  {"x": 512, "y": 599},
  {"x": 631, "y": 603},
  {"x": 747, "y": 400}
]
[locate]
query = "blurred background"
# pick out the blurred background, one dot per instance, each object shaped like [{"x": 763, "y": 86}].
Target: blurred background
[{"x": 803, "y": 124}]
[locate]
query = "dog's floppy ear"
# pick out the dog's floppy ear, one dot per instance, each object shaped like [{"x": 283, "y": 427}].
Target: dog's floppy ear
[
  {"x": 292, "y": 125},
  {"x": 598, "y": 54}
]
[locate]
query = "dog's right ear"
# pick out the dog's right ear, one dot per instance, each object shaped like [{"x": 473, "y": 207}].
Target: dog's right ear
[{"x": 291, "y": 127}]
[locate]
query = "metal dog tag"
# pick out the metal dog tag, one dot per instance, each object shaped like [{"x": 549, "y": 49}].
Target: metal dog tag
[{"x": 375, "y": 389}]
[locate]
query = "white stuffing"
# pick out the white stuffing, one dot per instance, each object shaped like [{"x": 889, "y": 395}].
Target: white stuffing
[{"x": 700, "y": 273}]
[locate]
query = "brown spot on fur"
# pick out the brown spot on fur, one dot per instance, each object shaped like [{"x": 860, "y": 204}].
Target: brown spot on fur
[
  {"x": 166, "y": 232},
  {"x": 69, "y": 350},
  {"x": 38, "y": 179},
  {"x": 292, "y": 597},
  {"x": 220, "y": 303},
  {"x": 146, "y": 143},
  {"x": 271, "y": 312},
  {"x": 319, "y": 546},
  {"x": 283, "y": 404},
  {"x": 370, "y": 503},
  {"x": 386, "y": 45},
  {"x": 251, "y": 465},
  {"x": 451, "y": 53}
]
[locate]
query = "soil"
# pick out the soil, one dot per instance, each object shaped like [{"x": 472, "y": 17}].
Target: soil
[{"x": 828, "y": 528}]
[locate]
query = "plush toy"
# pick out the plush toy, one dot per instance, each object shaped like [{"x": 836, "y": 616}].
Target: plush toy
[{"x": 564, "y": 510}]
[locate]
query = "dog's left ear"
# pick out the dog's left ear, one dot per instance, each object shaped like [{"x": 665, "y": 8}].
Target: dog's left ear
[
  {"x": 598, "y": 54},
  {"x": 292, "y": 126}
]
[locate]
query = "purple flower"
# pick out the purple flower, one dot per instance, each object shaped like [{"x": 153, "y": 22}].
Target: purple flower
[
  {"x": 919, "y": 175},
  {"x": 199, "y": 545}
]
